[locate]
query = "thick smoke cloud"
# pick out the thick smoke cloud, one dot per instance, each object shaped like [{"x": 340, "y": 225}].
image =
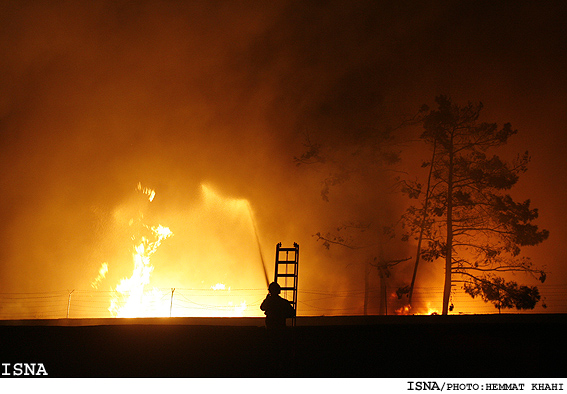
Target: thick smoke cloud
[{"x": 98, "y": 96}]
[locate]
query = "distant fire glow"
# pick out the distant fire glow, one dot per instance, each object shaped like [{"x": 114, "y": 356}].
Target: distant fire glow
[{"x": 423, "y": 310}]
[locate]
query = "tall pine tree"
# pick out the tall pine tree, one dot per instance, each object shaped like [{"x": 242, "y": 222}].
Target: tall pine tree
[{"x": 465, "y": 217}]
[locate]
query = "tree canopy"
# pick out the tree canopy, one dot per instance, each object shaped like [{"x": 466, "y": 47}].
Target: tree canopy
[{"x": 465, "y": 216}]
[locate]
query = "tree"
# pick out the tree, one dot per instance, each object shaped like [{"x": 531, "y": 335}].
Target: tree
[
  {"x": 352, "y": 158},
  {"x": 343, "y": 159},
  {"x": 349, "y": 156},
  {"x": 504, "y": 294},
  {"x": 465, "y": 217}
]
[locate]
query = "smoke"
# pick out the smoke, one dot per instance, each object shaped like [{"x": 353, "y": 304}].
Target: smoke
[{"x": 99, "y": 96}]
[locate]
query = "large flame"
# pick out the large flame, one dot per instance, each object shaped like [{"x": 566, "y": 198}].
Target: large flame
[
  {"x": 138, "y": 302},
  {"x": 134, "y": 297},
  {"x": 130, "y": 298}
]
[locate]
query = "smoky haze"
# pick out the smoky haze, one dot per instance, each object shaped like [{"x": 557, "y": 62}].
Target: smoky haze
[{"x": 98, "y": 96}]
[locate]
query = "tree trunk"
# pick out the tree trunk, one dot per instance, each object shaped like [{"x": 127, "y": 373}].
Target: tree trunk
[
  {"x": 383, "y": 296},
  {"x": 421, "y": 230},
  {"x": 449, "y": 246}
]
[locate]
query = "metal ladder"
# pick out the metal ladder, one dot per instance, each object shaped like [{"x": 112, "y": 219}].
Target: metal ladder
[{"x": 287, "y": 264}]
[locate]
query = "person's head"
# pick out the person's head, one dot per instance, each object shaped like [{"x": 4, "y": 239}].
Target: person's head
[{"x": 274, "y": 288}]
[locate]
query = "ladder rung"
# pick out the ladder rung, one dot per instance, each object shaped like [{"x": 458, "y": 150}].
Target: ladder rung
[
  {"x": 286, "y": 262},
  {"x": 286, "y": 249},
  {"x": 286, "y": 275}
]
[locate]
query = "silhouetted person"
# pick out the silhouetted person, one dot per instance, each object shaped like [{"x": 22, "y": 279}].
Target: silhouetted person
[{"x": 276, "y": 308}]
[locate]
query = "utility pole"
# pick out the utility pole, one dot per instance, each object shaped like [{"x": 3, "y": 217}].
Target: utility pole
[
  {"x": 171, "y": 303},
  {"x": 69, "y": 303}
]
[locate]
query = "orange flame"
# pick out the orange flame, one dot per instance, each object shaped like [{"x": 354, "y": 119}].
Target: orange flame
[
  {"x": 138, "y": 303},
  {"x": 101, "y": 275},
  {"x": 428, "y": 310},
  {"x": 131, "y": 297},
  {"x": 404, "y": 310}
]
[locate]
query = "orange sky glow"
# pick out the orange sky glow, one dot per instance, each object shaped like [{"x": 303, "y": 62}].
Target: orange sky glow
[{"x": 148, "y": 148}]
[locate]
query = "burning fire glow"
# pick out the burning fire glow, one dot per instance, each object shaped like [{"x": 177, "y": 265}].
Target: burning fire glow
[
  {"x": 101, "y": 275},
  {"x": 147, "y": 191},
  {"x": 133, "y": 297},
  {"x": 428, "y": 310},
  {"x": 404, "y": 310},
  {"x": 130, "y": 298},
  {"x": 133, "y": 288}
]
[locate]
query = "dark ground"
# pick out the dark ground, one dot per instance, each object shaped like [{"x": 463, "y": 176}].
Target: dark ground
[{"x": 518, "y": 346}]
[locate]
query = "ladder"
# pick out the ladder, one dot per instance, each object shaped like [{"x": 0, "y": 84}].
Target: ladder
[{"x": 287, "y": 264}]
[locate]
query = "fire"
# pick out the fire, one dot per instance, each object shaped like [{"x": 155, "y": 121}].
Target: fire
[
  {"x": 404, "y": 310},
  {"x": 101, "y": 275},
  {"x": 133, "y": 296},
  {"x": 138, "y": 302},
  {"x": 131, "y": 299},
  {"x": 431, "y": 311},
  {"x": 428, "y": 310},
  {"x": 147, "y": 191}
]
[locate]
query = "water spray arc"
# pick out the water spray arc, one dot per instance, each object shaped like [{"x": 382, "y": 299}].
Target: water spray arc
[{"x": 258, "y": 242}]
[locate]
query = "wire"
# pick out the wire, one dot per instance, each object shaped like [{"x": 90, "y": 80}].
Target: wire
[{"x": 96, "y": 303}]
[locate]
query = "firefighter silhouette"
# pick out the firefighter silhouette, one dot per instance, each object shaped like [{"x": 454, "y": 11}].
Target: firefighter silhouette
[{"x": 276, "y": 308}]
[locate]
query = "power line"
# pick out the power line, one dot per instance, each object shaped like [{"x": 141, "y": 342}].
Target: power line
[{"x": 185, "y": 301}]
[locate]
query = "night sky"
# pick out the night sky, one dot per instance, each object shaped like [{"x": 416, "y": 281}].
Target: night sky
[{"x": 96, "y": 96}]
